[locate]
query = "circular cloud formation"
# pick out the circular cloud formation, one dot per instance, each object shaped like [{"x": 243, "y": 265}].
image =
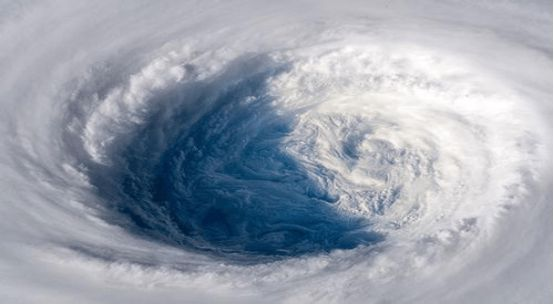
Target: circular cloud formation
[{"x": 276, "y": 152}]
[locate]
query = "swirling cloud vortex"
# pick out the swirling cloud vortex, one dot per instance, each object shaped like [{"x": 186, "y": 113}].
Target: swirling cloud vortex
[{"x": 287, "y": 151}]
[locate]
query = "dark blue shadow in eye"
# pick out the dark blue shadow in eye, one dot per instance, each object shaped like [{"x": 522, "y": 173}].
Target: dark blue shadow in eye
[{"x": 223, "y": 184}]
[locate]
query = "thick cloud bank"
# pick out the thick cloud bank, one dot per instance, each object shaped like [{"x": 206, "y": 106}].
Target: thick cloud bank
[{"x": 277, "y": 151}]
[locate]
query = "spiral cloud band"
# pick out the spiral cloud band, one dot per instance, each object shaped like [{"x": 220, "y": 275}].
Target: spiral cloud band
[{"x": 283, "y": 151}]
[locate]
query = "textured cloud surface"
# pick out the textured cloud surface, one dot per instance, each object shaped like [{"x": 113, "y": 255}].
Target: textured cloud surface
[{"x": 283, "y": 151}]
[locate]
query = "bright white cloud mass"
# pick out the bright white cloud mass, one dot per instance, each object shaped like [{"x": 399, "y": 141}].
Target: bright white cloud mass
[{"x": 276, "y": 151}]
